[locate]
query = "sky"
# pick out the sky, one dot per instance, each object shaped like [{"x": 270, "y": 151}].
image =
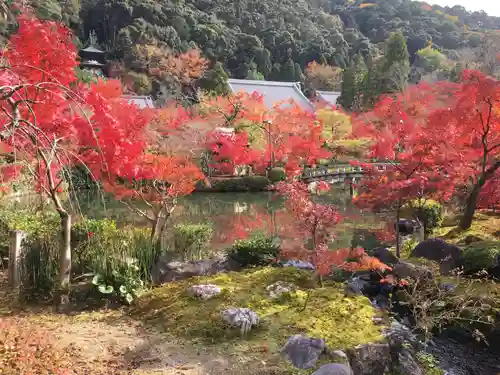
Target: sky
[{"x": 492, "y": 7}]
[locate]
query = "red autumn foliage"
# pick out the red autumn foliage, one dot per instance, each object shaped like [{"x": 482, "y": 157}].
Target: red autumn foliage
[
  {"x": 413, "y": 153},
  {"x": 315, "y": 225},
  {"x": 470, "y": 124},
  {"x": 416, "y": 158},
  {"x": 490, "y": 194},
  {"x": 153, "y": 171},
  {"x": 284, "y": 135},
  {"x": 230, "y": 150}
]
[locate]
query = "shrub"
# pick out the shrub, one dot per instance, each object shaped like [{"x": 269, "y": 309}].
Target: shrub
[
  {"x": 237, "y": 184},
  {"x": 40, "y": 260},
  {"x": 481, "y": 255},
  {"x": 430, "y": 214},
  {"x": 90, "y": 241},
  {"x": 26, "y": 349},
  {"x": 192, "y": 240},
  {"x": 260, "y": 250},
  {"x": 256, "y": 183},
  {"x": 40, "y": 265},
  {"x": 408, "y": 246},
  {"x": 119, "y": 251},
  {"x": 276, "y": 175},
  {"x": 123, "y": 281}
]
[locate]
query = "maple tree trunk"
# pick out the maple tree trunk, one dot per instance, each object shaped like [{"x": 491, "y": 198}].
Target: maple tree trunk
[
  {"x": 398, "y": 240},
  {"x": 470, "y": 207},
  {"x": 65, "y": 262},
  {"x": 471, "y": 202}
]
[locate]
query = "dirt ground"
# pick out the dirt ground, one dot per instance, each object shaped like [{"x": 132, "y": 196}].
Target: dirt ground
[{"x": 112, "y": 343}]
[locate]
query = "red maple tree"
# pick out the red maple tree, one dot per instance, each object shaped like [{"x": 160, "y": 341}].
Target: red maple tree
[
  {"x": 316, "y": 223},
  {"x": 150, "y": 172},
  {"x": 413, "y": 156},
  {"x": 471, "y": 125},
  {"x": 49, "y": 122}
]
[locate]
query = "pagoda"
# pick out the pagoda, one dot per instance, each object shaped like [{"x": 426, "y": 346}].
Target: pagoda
[{"x": 93, "y": 60}]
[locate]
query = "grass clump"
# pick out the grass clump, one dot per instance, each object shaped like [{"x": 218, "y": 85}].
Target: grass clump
[{"x": 341, "y": 322}]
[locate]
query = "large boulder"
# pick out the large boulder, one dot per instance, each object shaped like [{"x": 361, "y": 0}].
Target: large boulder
[
  {"x": 395, "y": 356},
  {"x": 356, "y": 286},
  {"x": 334, "y": 369},
  {"x": 447, "y": 255},
  {"x": 165, "y": 271},
  {"x": 303, "y": 352}
]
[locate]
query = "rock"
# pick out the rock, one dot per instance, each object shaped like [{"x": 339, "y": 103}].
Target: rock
[
  {"x": 242, "y": 318},
  {"x": 165, "y": 271},
  {"x": 406, "y": 227},
  {"x": 334, "y": 369},
  {"x": 447, "y": 287},
  {"x": 204, "y": 292},
  {"x": 403, "y": 344},
  {"x": 370, "y": 359},
  {"x": 356, "y": 286},
  {"x": 303, "y": 352},
  {"x": 299, "y": 264},
  {"x": 405, "y": 270},
  {"x": 279, "y": 288},
  {"x": 449, "y": 256},
  {"x": 395, "y": 356},
  {"x": 385, "y": 256},
  {"x": 470, "y": 239}
]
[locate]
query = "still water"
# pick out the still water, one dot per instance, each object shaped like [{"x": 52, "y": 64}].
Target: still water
[{"x": 231, "y": 216}]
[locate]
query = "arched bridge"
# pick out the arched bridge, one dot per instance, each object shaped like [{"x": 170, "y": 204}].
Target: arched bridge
[{"x": 338, "y": 172}]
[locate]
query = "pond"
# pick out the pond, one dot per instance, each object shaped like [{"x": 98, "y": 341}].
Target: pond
[{"x": 232, "y": 216}]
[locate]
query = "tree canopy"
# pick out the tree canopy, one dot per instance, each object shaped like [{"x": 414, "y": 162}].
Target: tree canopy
[{"x": 265, "y": 39}]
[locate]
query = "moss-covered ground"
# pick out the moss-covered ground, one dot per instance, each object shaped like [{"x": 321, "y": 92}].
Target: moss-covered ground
[
  {"x": 170, "y": 333},
  {"x": 341, "y": 322},
  {"x": 485, "y": 227}
]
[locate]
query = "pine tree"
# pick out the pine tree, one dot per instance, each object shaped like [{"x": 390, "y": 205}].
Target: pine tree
[
  {"x": 352, "y": 84},
  {"x": 396, "y": 66}
]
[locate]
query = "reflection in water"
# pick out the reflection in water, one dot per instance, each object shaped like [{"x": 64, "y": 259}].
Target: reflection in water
[{"x": 232, "y": 216}]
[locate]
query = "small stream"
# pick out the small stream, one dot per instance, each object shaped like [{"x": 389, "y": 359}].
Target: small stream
[{"x": 460, "y": 355}]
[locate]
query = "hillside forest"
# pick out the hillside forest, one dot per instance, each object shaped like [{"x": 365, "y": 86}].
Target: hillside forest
[{"x": 374, "y": 47}]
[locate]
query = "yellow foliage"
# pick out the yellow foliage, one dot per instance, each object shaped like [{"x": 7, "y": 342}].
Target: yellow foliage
[
  {"x": 366, "y": 5},
  {"x": 451, "y": 18},
  {"x": 336, "y": 124}
]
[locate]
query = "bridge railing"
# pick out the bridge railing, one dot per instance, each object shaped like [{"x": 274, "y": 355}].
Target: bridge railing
[{"x": 338, "y": 170}]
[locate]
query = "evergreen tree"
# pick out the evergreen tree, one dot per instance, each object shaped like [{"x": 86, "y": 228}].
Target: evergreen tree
[
  {"x": 215, "y": 80},
  {"x": 396, "y": 65},
  {"x": 352, "y": 84},
  {"x": 288, "y": 71}
]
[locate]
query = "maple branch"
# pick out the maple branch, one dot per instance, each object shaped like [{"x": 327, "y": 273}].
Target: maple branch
[{"x": 137, "y": 210}]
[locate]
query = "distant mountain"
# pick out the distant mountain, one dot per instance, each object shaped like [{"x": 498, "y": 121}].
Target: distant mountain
[{"x": 274, "y": 39}]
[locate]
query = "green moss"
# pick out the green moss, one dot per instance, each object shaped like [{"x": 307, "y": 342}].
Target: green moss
[
  {"x": 482, "y": 255},
  {"x": 430, "y": 363},
  {"x": 484, "y": 227},
  {"x": 342, "y": 322}
]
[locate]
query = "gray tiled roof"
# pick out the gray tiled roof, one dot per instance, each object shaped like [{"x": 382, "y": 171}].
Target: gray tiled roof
[
  {"x": 142, "y": 101},
  {"x": 273, "y": 92},
  {"x": 328, "y": 96},
  {"x": 92, "y": 49}
]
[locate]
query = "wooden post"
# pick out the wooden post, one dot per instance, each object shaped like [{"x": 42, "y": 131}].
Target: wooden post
[{"x": 15, "y": 254}]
